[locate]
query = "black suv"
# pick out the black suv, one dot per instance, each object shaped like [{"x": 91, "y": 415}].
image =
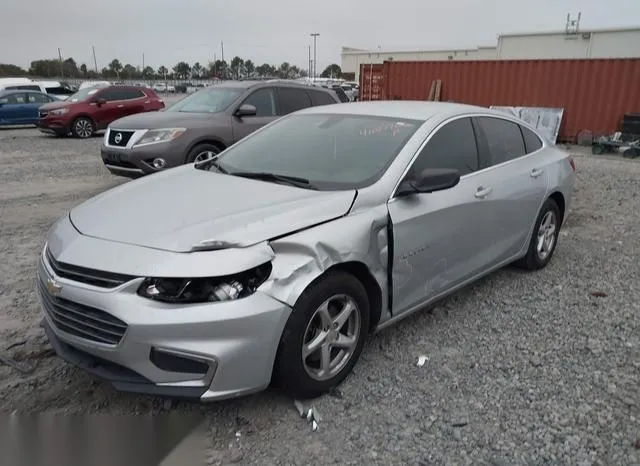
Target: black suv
[{"x": 203, "y": 124}]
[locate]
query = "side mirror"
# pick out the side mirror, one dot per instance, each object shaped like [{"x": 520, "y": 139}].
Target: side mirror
[
  {"x": 246, "y": 110},
  {"x": 428, "y": 181},
  {"x": 101, "y": 102}
]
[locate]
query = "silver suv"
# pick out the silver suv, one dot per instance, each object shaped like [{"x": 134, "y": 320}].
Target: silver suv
[{"x": 202, "y": 124}]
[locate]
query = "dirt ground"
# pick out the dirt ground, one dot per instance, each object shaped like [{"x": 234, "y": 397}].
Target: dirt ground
[{"x": 539, "y": 368}]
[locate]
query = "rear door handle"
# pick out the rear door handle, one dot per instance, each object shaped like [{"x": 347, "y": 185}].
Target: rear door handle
[
  {"x": 536, "y": 172},
  {"x": 482, "y": 192}
]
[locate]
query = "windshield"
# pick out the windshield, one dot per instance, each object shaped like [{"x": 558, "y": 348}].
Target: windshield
[
  {"x": 333, "y": 152},
  {"x": 82, "y": 94},
  {"x": 209, "y": 100}
]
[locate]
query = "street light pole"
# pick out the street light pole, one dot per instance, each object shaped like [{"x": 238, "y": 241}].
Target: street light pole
[{"x": 315, "y": 61}]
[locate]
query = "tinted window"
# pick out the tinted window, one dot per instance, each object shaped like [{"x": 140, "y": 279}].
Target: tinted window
[
  {"x": 59, "y": 90},
  {"x": 291, "y": 100},
  {"x": 13, "y": 99},
  {"x": 452, "y": 146},
  {"x": 264, "y": 101},
  {"x": 341, "y": 95},
  {"x": 126, "y": 94},
  {"x": 504, "y": 139},
  {"x": 321, "y": 98},
  {"x": 332, "y": 151},
  {"x": 37, "y": 98},
  {"x": 531, "y": 140},
  {"x": 110, "y": 94}
]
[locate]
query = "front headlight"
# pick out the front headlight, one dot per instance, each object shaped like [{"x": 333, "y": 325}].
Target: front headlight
[
  {"x": 205, "y": 289},
  {"x": 60, "y": 111},
  {"x": 154, "y": 136}
]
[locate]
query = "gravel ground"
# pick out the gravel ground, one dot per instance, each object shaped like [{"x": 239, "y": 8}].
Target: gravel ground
[{"x": 522, "y": 368}]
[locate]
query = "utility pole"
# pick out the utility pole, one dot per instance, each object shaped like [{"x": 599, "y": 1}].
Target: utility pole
[
  {"x": 61, "y": 65},
  {"x": 142, "y": 61},
  {"x": 222, "y": 49},
  {"x": 315, "y": 59},
  {"x": 95, "y": 62},
  {"x": 309, "y": 62}
]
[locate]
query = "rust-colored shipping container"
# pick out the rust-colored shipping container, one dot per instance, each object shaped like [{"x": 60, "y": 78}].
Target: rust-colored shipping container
[
  {"x": 371, "y": 79},
  {"x": 594, "y": 93}
]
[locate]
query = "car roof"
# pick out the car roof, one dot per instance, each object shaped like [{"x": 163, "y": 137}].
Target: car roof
[
  {"x": 414, "y": 110},
  {"x": 247, "y": 84}
]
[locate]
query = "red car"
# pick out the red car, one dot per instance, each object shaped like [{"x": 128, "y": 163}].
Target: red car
[{"x": 92, "y": 109}]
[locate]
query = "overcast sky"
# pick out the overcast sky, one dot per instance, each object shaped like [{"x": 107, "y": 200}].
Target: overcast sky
[{"x": 273, "y": 31}]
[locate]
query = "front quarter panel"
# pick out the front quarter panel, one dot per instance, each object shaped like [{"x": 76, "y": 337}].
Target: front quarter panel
[{"x": 303, "y": 257}]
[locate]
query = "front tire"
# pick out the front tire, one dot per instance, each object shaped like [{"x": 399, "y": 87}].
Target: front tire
[
  {"x": 83, "y": 128},
  {"x": 544, "y": 238},
  {"x": 202, "y": 152},
  {"x": 324, "y": 336}
]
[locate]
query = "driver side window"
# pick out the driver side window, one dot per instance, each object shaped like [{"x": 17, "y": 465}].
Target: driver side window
[
  {"x": 452, "y": 146},
  {"x": 264, "y": 101}
]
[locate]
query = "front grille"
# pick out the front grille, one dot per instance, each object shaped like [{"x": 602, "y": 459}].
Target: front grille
[
  {"x": 82, "y": 321},
  {"x": 119, "y": 138},
  {"x": 84, "y": 275}
]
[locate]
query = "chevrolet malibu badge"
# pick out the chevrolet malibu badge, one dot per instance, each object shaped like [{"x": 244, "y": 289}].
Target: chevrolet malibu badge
[{"x": 53, "y": 287}]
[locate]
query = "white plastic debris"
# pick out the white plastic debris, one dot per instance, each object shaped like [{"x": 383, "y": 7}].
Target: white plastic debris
[
  {"x": 314, "y": 426},
  {"x": 238, "y": 435},
  {"x": 422, "y": 359},
  {"x": 299, "y": 407},
  {"x": 310, "y": 415}
]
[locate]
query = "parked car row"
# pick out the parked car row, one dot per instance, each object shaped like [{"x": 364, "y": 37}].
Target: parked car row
[
  {"x": 273, "y": 262},
  {"x": 54, "y": 88}
]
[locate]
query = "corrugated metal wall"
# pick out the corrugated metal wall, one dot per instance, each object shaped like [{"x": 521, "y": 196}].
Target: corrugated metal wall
[
  {"x": 595, "y": 94},
  {"x": 371, "y": 79}
]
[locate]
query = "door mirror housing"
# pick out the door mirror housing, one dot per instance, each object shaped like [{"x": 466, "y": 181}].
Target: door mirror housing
[
  {"x": 428, "y": 181},
  {"x": 246, "y": 110},
  {"x": 101, "y": 101}
]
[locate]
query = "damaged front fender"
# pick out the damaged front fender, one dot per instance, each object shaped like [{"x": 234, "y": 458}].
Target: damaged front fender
[{"x": 302, "y": 257}]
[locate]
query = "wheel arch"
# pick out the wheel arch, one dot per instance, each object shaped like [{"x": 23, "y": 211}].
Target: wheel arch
[
  {"x": 206, "y": 140},
  {"x": 559, "y": 199}
]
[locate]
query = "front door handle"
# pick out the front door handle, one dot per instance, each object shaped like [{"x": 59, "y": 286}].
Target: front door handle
[
  {"x": 120, "y": 106},
  {"x": 483, "y": 192},
  {"x": 536, "y": 172}
]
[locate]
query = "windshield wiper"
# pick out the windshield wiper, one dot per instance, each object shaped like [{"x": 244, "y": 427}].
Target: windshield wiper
[
  {"x": 213, "y": 161},
  {"x": 266, "y": 176}
]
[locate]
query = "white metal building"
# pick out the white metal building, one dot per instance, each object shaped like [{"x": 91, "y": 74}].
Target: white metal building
[{"x": 595, "y": 43}]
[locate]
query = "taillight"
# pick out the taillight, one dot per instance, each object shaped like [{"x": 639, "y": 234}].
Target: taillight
[{"x": 572, "y": 163}]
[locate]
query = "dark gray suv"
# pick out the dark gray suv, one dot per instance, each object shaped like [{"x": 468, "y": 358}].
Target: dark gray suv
[{"x": 202, "y": 124}]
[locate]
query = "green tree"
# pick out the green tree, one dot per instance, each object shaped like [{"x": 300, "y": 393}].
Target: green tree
[
  {"x": 7, "y": 69},
  {"x": 129, "y": 72},
  {"x": 197, "y": 70},
  {"x": 163, "y": 71},
  {"x": 83, "y": 69},
  {"x": 332, "y": 71},
  {"x": 219, "y": 69},
  {"x": 115, "y": 67},
  {"x": 266, "y": 70},
  {"x": 249, "y": 68},
  {"x": 182, "y": 70},
  {"x": 147, "y": 72},
  {"x": 236, "y": 67},
  {"x": 285, "y": 71}
]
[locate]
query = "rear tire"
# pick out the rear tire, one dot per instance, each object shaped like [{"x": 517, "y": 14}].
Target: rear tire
[
  {"x": 319, "y": 327},
  {"x": 83, "y": 128},
  {"x": 202, "y": 152},
  {"x": 543, "y": 239}
]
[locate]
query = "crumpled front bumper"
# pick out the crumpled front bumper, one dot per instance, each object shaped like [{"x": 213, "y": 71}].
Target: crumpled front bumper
[{"x": 208, "y": 351}]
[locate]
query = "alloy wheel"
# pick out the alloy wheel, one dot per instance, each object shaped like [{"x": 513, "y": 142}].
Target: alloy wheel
[
  {"x": 331, "y": 337},
  {"x": 84, "y": 128},
  {"x": 546, "y": 235},
  {"x": 204, "y": 155}
]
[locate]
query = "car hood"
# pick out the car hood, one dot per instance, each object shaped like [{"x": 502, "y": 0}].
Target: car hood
[
  {"x": 157, "y": 120},
  {"x": 56, "y": 105},
  {"x": 185, "y": 207}
]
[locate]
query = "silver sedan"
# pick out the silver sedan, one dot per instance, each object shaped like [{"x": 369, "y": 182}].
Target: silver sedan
[{"x": 274, "y": 260}]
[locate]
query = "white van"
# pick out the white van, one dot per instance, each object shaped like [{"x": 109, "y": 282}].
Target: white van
[{"x": 53, "y": 88}]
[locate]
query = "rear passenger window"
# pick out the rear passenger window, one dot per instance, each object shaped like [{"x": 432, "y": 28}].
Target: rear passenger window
[
  {"x": 452, "y": 146},
  {"x": 130, "y": 94},
  {"x": 321, "y": 98},
  {"x": 264, "y": 101},
  {"x": 292, "y": 100},
  {"x": 504, "y": 139},
  {"x": 531, "y": 140},
  {"x": 110, "y": 95}
]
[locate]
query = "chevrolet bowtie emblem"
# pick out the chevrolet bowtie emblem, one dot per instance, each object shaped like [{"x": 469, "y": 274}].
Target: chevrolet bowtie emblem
[{"x": 53, "y": 287}]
